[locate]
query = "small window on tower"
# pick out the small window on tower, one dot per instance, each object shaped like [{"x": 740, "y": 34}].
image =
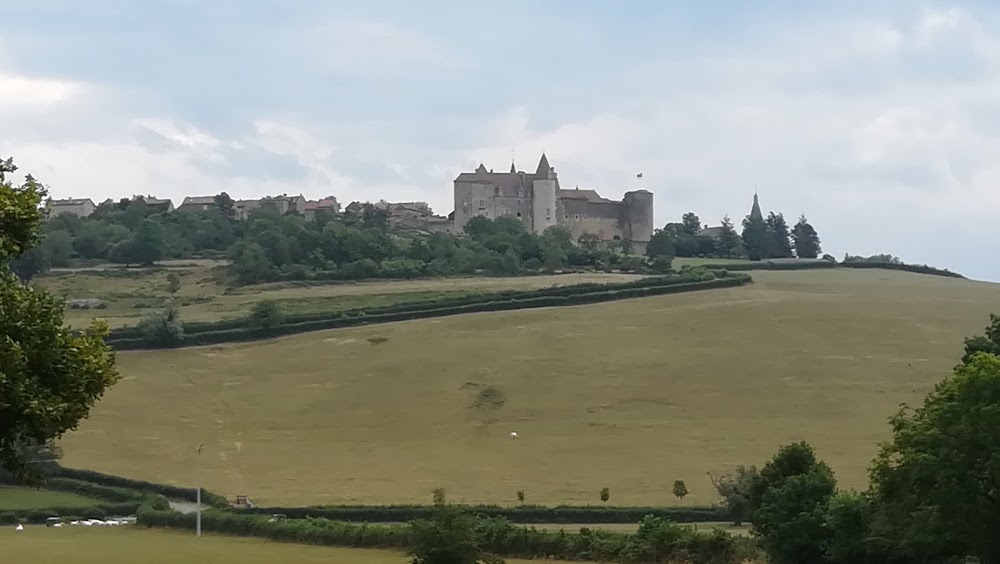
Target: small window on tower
[
  {"x": 548, "y": 213},
  {"x": 518, "y": 214}
]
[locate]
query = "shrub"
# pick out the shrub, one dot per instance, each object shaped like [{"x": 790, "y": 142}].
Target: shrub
[
  {"x": 266, "y": 315},
  {"x": 162, "y": 329}
]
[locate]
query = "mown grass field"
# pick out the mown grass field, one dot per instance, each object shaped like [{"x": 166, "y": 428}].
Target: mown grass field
[
  {"x": 132, "y": 293},
  {"x": 29, "y": 498},
  {"x": 629, "y": 395},
  {"x": 130, "y": 545}
]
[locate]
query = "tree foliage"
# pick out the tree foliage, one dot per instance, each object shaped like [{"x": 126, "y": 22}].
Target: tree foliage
[
  {"x": 936, "y": 483},
  {"x": 49, "y": 377},
  {"x": 729, "y": 244},
  {"x": 735, "y": 490},
  {"x": 789, "y": 502},
  {"x": 449, "y": 537},
  {"x": 778, "y": 241},
  {"x": 755, "y": 239},
  {"x": 806, "y": 240}
]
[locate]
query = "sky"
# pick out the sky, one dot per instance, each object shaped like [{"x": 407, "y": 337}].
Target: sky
[{"x": 878, "y": 120}]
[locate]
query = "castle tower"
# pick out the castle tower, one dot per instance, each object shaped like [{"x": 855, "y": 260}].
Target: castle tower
[
  {"x": 544, "y": 189},
  {"x": 639, "y": 215}
]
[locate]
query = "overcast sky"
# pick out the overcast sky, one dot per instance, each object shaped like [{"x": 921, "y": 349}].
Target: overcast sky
[{"x": 878, "y": 120}]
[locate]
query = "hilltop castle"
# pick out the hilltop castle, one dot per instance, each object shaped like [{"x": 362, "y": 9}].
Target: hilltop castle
[{"x": 539, "y": 202}]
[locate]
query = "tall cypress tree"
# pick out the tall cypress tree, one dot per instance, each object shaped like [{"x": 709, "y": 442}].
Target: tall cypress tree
[
  {"x": 779, "y": 243},
  {"x": 807, "y": 244}
]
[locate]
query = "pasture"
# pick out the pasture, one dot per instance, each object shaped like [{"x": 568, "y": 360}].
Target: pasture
[
  {"x": 628, "y": 395},
  {"x": 28, "y": 498},
  {"x": 130, "y": 294},
  {"x": 131, "y": 545}
]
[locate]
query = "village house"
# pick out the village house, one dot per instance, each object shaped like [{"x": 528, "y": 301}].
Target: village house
[{"x": 80, "y": 207}]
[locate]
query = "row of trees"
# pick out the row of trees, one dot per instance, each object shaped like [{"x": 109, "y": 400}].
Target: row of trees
[
  {"x": 761, "y": 238},
  {"x": 268, "y": 245},
  {"x": 935, "y": 485}
]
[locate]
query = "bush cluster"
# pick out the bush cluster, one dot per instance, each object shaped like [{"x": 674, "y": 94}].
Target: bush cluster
[
  {"x": 657, "y": 540},
  {"x": 247, "y": 329}
]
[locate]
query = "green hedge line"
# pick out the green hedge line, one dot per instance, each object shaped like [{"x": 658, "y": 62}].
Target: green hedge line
[
  {"x": 526, "y": 514},
  {"x": 91, "y": 490},
  {"x": 917, "y": 268},
  {"x": 38, "y": 516},
  {"x": 404, "y": 314},
  {"x": 495, "y": 535},
  {"x": 770, "y": 265},
  {"x": 444, "y": 302},
  {"x": 170, "y": 492}
]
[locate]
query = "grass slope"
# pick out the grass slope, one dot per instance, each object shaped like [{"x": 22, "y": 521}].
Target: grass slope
[
  {"x": 629, "y": 395},
  {"x": 132, "y": 293},
  {"x": 128, "y": 545},
  {"x": 12, "y": 498}
]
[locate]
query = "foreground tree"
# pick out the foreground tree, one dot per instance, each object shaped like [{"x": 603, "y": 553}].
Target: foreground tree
[
  {"x": 449, "y": 537},
  {"x": 789, "y": 502},
  {"x": 806, "y": 240},
  {"x": 936, "y": 484},
  {"x": 988, "y": 343},
  {"x": 49, "y": 377}
]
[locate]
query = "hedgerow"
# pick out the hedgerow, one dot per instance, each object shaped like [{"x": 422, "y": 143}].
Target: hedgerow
[
  {"x": 547, "y": 297},
  {"x": 494, "y": 535}
]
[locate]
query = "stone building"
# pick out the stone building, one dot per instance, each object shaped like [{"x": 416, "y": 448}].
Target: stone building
[
  {"x": 540, "y": 202},
  {"x": 80, "y": 207}
]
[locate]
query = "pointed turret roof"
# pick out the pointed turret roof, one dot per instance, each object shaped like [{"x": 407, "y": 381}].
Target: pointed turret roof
[
  {"x": 512, "y": 168},
  {"x": 543, "y": 168},
  {"x": 755, "y": 210}
]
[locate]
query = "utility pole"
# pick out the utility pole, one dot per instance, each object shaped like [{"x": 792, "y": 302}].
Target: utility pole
[{"x": 198, "y": 494}]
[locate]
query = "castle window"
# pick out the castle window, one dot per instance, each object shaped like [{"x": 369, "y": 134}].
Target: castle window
[
  {"x": 548, "y": 213},
  {"x": 518, "y": 214},
  {"x": 577, "y": 216},
  {"x": 566, "y": 216}
]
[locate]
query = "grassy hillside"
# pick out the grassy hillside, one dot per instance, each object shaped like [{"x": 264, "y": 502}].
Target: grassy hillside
[
  {"x": 128, "y": 545},
  {"x": 132, "y": 293},
  {"x": 628, "y": 395}
]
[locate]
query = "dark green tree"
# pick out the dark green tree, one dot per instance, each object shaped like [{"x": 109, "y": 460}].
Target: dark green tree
[
  {"x": 661, "y": 244},
  {"x": 448, "y": 537},
  {"x": 755, "y": 238},
  {"x": 57, "y": 246},
  {"x": 149, "y": 244},
  {"x": 267, "y": 315},
  {"x": 988, "y": 343},
  {"x": 173, "y": 283},
  {"x": 729, "y": 244},
  {"x": 225, "y": 205},
  {"x": 807, "y": 244},
  {"x": 50, "y": 377},
  {"x": 690, "y": 224},
  {"x": 735, "y": 489},
  {"x": 936, "y": 483},
  {"x": 789, "y": 502},
  {"x": 779, "y": 242}
]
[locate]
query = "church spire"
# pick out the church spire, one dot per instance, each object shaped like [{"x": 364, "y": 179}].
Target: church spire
[
  {"x": 755, "y": 210},
  {"x": 512, "y": 168}
]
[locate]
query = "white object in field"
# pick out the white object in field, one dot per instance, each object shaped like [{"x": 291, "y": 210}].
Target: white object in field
[
  {"x": 19, "y": 527},
  {"x": 57, "y": 525},
  {"x": 513, "y": 435}
]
